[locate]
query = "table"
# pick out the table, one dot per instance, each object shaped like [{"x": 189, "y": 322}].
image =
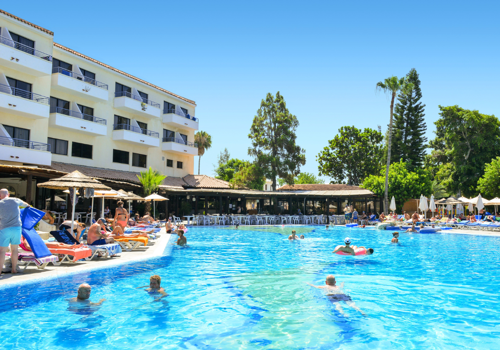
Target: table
[{"x": 189, "y": 218}]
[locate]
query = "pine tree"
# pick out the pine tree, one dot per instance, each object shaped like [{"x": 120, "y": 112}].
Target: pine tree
[{"x": 408, "y": 140}]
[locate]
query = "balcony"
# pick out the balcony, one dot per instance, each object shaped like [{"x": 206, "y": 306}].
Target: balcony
[
  {"x": 23, "y": 151},
  {"x": 178, "y": 145},
  {"x": 135, "y": 135},
  {"x": 76, "y": 121},
  {"x": 23, "y": 103},
  {"x": 171, "y": 118},
  {"x": 23, "y": 58},
  {"x": 136, "y": 104},
  {"x": 68, "y": 81}
]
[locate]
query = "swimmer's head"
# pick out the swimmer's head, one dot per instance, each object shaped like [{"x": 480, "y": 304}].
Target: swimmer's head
[
  {"x": 84, "y": 290},
  {"x": 330, "y": 280},
  {"x": 154, "y": 281},
  {"x": 327, "y": 226},
  {"x": 347, "y": 241},
  {"x": 369, "y": 251},
  {"x": 363, "y": 226},
  {"x": 180, "y": 232},
  {"x": 395, "y": 234},
  {"x": 294, "y": 232},
  {"x": 302, "y": 237}
]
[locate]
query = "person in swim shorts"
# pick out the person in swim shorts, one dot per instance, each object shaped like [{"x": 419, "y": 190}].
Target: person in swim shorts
[
  {"x": 345, "y": 248},
  {"x": 412, "y": 228},
  {"x": 155, "y": 287},
  {"x": 336, "y": 294},
  {"x": 395, "y": 236},
  {"x": 293, "y": 236},
  {"x": 355, "y": 216}
]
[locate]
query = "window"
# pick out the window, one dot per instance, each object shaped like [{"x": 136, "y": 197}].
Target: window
[
  {"x": 179, "y": 165},
  {"x": 21, "y": 136},
  {"x": 168, "y": 135},
  {"x": 20, "y": 88},
  {"x": 23, "y": 44},
  {"x": 184, "y": 138},
  {"x": 121, "y": 123},
  {"x": 87, "y": 76},
  {"x": 58, "y": 146},
  {"x": 120, "y": 156},
  {"x": 88, "y": 112},
  {"x": 139, "y": 160},
  {"x": 59, "y": 106},
  {"x": 168, "y": 107},
  {"x": 185, "y": 111},
  {"x": 170, "y": 163},
  {"x": 81, "y": 150},
  {"x": 143, "y": 95},
  {"x": 122, "y": 90},
  {"x": 143, "y": 126},
  {"x": 66, "y": 68}
]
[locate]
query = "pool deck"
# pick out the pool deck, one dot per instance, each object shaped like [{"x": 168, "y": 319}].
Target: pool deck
[{"x": 142, "y": 253}]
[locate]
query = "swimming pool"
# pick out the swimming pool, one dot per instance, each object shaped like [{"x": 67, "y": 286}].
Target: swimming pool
[{"x": 247, "y": 289}]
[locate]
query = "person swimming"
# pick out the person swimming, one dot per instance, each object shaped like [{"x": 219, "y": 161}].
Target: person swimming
[
  {"x": 302, "y": 237},
  {"x": 395, "y": 236},
  {"x": 293, "y": 236},
  {"x": 345, "y": 248},
  {"x": 81, "y": 304},
  {"x": 155, "y": 287},
  {"x": 336, "y": 294},
  {"x": 182, "y": 241}
]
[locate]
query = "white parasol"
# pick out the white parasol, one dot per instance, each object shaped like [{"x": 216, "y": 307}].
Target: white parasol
[
  {"x": 155, "y": 197},
  {"x": 393, "y": 204}
]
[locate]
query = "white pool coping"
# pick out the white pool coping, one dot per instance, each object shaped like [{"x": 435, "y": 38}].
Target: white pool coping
[{"x": 33, "y": 274}]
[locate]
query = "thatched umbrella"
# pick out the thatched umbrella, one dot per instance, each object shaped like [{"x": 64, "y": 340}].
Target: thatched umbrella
[
  {"x": 74, "y": 180},
  {"x": 129, "y": 197}
]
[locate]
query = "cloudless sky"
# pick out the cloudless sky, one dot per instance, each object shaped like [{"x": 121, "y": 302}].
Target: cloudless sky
[{"x": 325, "y": 57}]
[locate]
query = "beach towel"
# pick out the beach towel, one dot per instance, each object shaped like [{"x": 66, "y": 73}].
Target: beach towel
[{"x": 30, "y": 217}]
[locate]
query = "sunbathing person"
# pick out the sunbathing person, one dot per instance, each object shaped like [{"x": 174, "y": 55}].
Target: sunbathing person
[
  {"x": 414, "y": 217},
  {"x": 336, "y": 294},
  {"x": 118, "y": 232},
  {"x": 293, "y": 236},
  {"x": 345, "y": 248},
  {"x": 182, "y": 241},
  {"x": 48, "y": 218},
  {"x": 96, "y": 237},
  {"x": 83, "y": 296},
  {"x": 78, "y": 228},
  {"x": 382, "y": 217}
]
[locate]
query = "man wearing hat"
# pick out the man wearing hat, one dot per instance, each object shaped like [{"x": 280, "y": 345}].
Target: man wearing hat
[{"x": 345, "y": 248}]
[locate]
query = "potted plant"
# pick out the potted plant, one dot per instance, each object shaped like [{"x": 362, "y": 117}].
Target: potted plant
[{"x": 144, "y": 106}]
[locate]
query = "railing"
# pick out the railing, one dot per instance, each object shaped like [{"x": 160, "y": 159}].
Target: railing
[
  {"x": 78, "y": 115},
  {"x": 7, "y": 89},
  {"x": 79, "y": 77},
  {"x": 25, "y": 48},
  {"x": 180, "y": 140},
  {"x": 172, "y": 111},
  {"x": 136, "y": 97},
  {"x": 24, "y": 144},
  {"x": 136, "y": 129}
]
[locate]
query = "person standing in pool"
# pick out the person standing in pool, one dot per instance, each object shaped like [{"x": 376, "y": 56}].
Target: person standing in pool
[
  {"x": 336, "y": 294},
  {"x": 395, "y": 236},
  {"x": 293, "y": 236},
  {"x": 83, "y": 296},
  {"x": 182, "y": 241},
  {"x": 155, "y": 287},
  {"x": 345, "y": 248},
  {"x": 355, "y": 216}
]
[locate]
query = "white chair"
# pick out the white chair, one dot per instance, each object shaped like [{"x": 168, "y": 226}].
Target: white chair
[
  {"x": 177, "y": 220},
  {"x": 295, "y": 219}
]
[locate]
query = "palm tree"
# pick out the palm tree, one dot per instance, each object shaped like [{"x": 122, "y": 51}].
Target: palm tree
[
  {"x": 150, "y": 180},
  {"x": 393, "y": 85},
  {"x": 204, "y": 141},
  {"x": 438, "y": 190}
]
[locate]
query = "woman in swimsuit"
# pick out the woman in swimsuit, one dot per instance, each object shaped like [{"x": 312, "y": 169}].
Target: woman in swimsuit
[{"x": 121, "y": 216}]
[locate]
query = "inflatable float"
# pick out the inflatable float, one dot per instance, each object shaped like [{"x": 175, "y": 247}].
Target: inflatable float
[
  {"x": 351, "y": 225},
  {"x": 429, "y": 230},
  {"x": 358, "y": 251},
  {"x": 383, "y": 225}
]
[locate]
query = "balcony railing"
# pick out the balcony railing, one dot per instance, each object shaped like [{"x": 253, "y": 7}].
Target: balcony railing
[
  {"x": 180, "y": 140},
  {"x": 24, "y": 144},
  {"x": 136, "y": 129},
  {"x": 137, "y": 97},
  {"x": 7, "y": 89},
  {"x": 172, "y": 111},
  {"x": 78, "y": 115},
  {"x": 25, "y": 48},
  {"x": 79, "y": 77}
]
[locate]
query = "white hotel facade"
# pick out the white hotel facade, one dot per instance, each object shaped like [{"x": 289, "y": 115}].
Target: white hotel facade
[{"x": 61, "y": 106}]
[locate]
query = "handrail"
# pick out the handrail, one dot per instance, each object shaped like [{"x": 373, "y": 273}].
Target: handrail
[
  {"x": 25, "y": 48},
  {"x": 136, "y": 129},
  {"x": 79, "y": 77},
  {"x": 40, "y": 146},
  {"x": 180, "y": 140},
  {"x": 79, "y": 115},
  {"x": 172, "y": 111},
  {"x": 7, "y": 89},
  {"x": 136, "y": 97}
]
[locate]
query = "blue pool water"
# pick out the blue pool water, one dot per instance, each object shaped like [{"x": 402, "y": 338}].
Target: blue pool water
[{"x": 247, "y": 289}]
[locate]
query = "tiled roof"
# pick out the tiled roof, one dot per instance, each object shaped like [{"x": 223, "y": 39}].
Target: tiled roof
[
  {"x": 28, "y": 23},
  {"x": 121, "y": 72},
  {"x": 320, "y": 187},
  {"x": 204, "y": 181}
]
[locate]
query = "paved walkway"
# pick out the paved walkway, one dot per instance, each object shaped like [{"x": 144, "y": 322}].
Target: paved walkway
[{"x": 142, "y": 253}]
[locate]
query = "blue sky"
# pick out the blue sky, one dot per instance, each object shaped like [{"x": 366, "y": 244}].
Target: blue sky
[{"x": 325, "y": 57}]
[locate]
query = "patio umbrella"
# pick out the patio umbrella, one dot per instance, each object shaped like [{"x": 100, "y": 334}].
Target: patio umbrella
[
  {"x": 479, "y": 203},
  {"x": 393, "y": 204},
  {"x": 155, "y": 197},
  {"x": 496, "y": 202},
  {"x": 423, "y": 204},
  {"x": 74, "y": 180}
]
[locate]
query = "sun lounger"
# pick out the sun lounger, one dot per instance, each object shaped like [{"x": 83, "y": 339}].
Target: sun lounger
[
  {"x": 131, "y": 243},
  {"x": 64, "y": 254},
  {"x": 27, "y": 258},
  {"x": 105, "y": 250}
]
